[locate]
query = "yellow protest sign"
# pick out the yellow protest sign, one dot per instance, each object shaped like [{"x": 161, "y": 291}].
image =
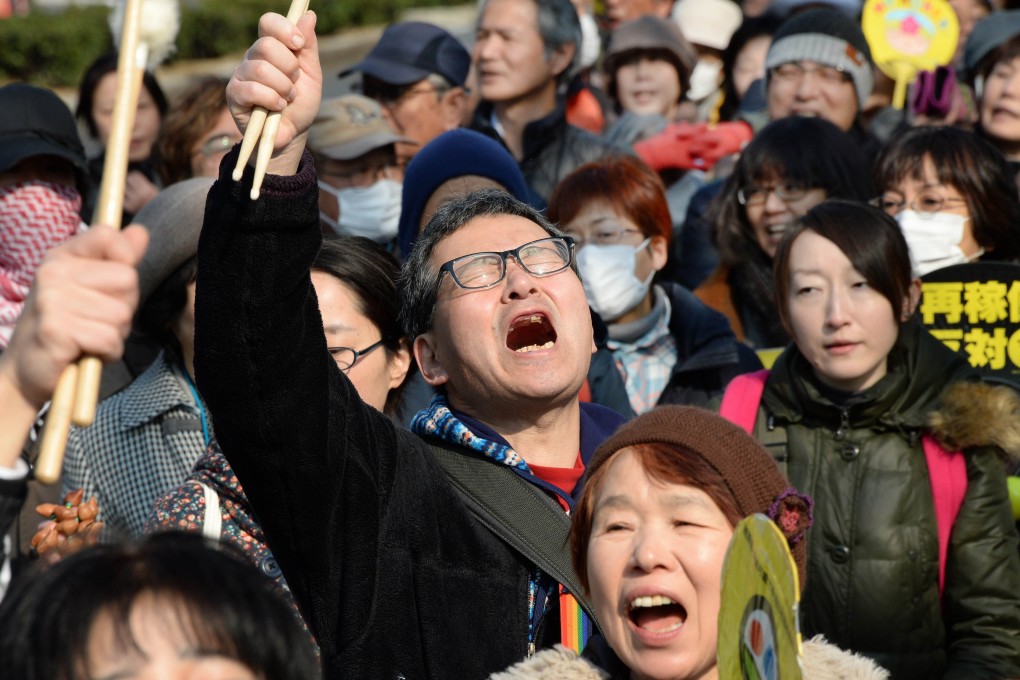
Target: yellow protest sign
[
  {"x": 759, "y": 636},
  {"x": 907, "y": 36}
]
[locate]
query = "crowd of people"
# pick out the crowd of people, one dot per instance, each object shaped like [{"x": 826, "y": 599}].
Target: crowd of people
[{"x": 514, "y": 337}]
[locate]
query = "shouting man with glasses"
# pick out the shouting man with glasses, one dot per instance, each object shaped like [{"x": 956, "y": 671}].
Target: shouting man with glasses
[
  {"x": 436, "y": 553},
  {"x": 417, "y": 73}
]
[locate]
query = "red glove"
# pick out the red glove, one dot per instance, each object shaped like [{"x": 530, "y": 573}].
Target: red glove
[{"x": 693, "y": 146}]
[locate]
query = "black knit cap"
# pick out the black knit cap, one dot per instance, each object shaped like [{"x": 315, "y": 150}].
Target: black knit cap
[{"x": 746, "y": 468}]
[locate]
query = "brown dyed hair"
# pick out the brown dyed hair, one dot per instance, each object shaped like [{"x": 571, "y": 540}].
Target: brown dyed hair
[
  {"x": 665, "y": 463},
  {"x": 869, "y": 238},
  {"x": 631, "y": 187},
  {"x": 192, "y": 115},
  {"x": 971, "y": 165}
]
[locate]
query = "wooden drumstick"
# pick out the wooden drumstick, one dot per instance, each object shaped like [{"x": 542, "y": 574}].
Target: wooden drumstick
[
  {"x": 263, "y": 126},
  {"x": 144, "y": 40}
]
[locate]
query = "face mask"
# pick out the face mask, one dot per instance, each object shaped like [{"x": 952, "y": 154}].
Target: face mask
[
  {"x": 34, "y": 217},
  {"x": 372, "y": 211},
  {"x": 934, "y": 239},
  {"x": 610, "y": 283},
  {"x": 591, "y": 43},
  {"x": 704, "y": 80}
]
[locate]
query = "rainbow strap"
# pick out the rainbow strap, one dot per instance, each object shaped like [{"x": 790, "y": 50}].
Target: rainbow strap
[{"x": 575, "y": 627}]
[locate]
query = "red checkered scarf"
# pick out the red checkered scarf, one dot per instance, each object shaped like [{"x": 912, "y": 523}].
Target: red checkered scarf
[{"x": 34, "y": 217}]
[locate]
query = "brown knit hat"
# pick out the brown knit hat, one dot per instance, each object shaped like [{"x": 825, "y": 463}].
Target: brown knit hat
[
  {"x": 746, "y": 468},
  {"x": 648, "y": 33}
]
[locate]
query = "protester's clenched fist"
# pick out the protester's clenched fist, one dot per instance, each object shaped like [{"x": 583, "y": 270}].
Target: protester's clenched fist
[
  {"x": 280, "y": 72},
  {"x": 82, "y": 301}
]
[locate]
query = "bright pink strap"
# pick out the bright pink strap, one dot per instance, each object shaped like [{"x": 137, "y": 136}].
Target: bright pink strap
[
  {"x": 947, "y": 472},
  {"x": 742, "y": 397}
]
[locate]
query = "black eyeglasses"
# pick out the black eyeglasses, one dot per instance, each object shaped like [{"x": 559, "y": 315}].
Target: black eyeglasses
[
  {"x": 346, "y": 357},
  {"x": 786, "y": 191},
  {"x": 544, "y": 257},
  {"x": 392, "y": 96}
]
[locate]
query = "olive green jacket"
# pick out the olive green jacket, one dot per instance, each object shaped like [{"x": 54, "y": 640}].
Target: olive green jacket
[{"x": 872, "y": 583}]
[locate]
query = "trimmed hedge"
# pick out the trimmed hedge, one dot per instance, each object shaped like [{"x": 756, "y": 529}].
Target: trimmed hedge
[{"x": 55, "y": 49}]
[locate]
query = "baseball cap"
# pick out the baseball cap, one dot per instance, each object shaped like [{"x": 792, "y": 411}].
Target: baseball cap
[
  {"x": 350, "y": 126},
  {"x": 35, "y": 122},
  {"x": 409, "y": 51}
]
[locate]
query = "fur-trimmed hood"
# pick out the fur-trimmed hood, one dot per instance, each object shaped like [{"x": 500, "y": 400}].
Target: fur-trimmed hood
[
  {"x": 821, "y": 661},
  {"x": 978, "y": 414}
]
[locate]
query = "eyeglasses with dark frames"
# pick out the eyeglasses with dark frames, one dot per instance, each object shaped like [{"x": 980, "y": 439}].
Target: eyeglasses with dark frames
[
  {"x": 544, "y": 257},
  {"x": 758, "y": 194},
  {"x": 346, "y": 357},
  {"x": 392, "y": 96}
]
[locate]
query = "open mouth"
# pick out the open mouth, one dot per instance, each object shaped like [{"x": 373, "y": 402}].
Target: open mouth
[
  {"x": 657, "y": 614},
  {"x": 530, "y": 333},
  {"x": 777, "y": 229}
]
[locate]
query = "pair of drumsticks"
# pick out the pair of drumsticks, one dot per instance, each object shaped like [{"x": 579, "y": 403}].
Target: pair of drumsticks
[{"x": 144, "y": 40}]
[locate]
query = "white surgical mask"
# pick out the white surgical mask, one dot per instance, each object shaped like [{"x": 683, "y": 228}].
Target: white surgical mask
[
  {"x": 934, "y": 239},
  {"x": 591, "y": 42},
  {"x": 610, "y": 282},
  {"x": 704, "y": 80},
  {"x": 372, "y": 211}
]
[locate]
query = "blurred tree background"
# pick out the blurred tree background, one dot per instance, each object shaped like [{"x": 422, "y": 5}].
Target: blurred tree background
[{"x": 54, "y": 48}]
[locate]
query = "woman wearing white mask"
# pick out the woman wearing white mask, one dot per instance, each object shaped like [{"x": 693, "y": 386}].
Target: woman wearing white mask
[
  {"x": 953, "y": 196},
  {"x": 360, "y": 179},
  {"x": 667, "y": 345}
]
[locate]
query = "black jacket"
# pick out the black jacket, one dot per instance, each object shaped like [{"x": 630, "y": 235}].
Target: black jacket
[
  {"x": 708, "y": 354},
  {"x": 872, "y": 583},
  {"x": 552, "y": 148},
  {"x": 395, "y": 577}
]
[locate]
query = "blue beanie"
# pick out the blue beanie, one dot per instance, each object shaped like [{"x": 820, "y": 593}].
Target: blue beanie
[{"x": 455, "y": 153}]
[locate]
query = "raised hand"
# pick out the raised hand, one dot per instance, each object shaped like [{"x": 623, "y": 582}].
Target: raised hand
[{"x": 280, "y": 72}]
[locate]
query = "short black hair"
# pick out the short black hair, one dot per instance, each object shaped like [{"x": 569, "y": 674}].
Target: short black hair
[
  {"x": 211, "y": 596},
  {"x": 869, "y": 238},
  {"x": 371, "y": 273},
  {"x": 808, "y": 150}
]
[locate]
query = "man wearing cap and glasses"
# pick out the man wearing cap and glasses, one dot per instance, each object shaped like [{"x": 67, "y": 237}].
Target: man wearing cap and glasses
[
  {"x": 397, "y": 573},
  {"x": 360, "y": 174},
  {"x": 417, "y": 73}
]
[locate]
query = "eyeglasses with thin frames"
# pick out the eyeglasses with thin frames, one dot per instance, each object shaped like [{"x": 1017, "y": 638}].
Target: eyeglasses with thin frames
[
  {"x": 601, "y": 237},
  {"x": 346, "y": 357},
  {"x": 544, "y": 257},
  {"x": 926, "y": 203},
  {"x": 794, "y": 72}
]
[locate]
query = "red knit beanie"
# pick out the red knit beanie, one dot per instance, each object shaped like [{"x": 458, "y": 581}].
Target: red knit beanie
[{"x": 746, "y": 468}]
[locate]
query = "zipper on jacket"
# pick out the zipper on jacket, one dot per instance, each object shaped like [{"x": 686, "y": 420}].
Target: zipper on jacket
[{"x": 844, "y": 424}]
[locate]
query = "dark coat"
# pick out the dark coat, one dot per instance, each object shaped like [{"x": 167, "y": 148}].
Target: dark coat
[
  {"x": 552, "y": 148},
  {"x": 389, "y": 567},
  {"x": 708, "y": 354},
  {"x": 872, "y": 583}
]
